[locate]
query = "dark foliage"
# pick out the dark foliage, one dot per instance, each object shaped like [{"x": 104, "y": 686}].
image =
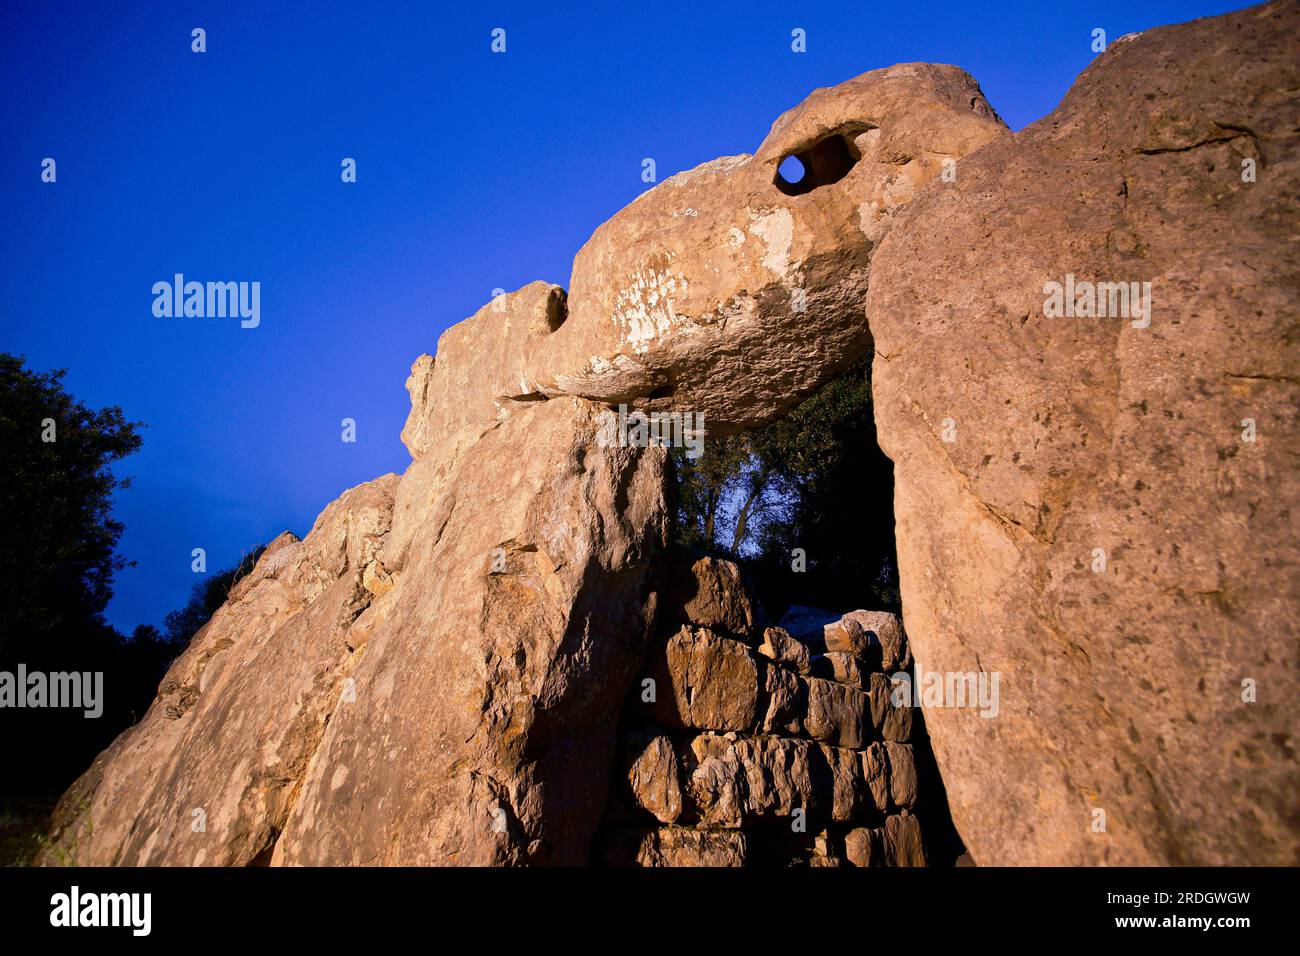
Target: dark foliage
[
  {"x": 56, "y": 578},
  {"x": 813, "y": 483},
  {"x": 55, "y": 504},
  {"x": 56, "y": 570},
  {"x": 207, "y": 596}
]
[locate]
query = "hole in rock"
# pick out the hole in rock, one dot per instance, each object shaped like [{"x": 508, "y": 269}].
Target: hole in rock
[
  {"x": 791, "y": 170},
  {"x": 778, "y": 532},
  {"x": 826, "y": 161},
  {"x": 557, "y": 308}
]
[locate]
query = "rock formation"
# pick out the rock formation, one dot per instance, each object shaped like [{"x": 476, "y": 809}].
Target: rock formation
[
  {"x": 463, "y": 714},
  {"x": 719, "y": 292},
  {"x": 451, "y": 667},
  {"x": 1083, "y": 440}
]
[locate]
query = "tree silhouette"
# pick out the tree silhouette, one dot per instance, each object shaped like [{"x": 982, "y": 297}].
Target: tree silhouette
[
  {"x": 208, "y": 595},
  {"x": 56, "y": 491},
  {"x": 814, "y": 480}
]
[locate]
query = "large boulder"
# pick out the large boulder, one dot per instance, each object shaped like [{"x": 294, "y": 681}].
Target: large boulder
[
  {"x": 723, "y": 291},
  {"x": 1079, "y": 508},
  {"x": 465, "y": 716},
  {"x": 728, "y": 292},
  {"x": 483, "y": 729},
  {"x": 209, "y": 776}
]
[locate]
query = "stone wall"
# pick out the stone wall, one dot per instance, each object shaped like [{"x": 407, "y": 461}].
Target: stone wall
[{"x": 743, "y": 743}]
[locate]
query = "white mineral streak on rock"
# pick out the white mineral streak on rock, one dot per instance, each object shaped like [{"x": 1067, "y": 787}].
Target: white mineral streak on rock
[
  {"x": 645, "y": 306},
  {"x": 776, "y": 230}
]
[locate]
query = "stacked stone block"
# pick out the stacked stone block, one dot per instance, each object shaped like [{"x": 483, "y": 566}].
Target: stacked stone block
[{"x": 748, "y": 744}]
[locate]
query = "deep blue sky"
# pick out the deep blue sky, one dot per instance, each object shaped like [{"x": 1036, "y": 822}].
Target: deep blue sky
[{"x": 475, "y": 171}]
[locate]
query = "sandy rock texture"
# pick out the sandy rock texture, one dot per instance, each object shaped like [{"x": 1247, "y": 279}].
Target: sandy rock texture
[
  {"x": 1030, "y": 447},
  {"x": 465, "y": 715},
  {"x": 716, "y": 291}
]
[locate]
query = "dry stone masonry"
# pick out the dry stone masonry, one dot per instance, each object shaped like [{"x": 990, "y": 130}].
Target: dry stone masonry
[{"x": 746, "y": 743}]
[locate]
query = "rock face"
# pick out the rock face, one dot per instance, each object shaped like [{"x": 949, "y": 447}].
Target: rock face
[
  {"x": 208, "y": 777},
  {"x": 516, "y": 624},
  {"x": 466, "y": 715},
  {"x": 1031, "y": 447},
  {"x": 479, "y": 369}
]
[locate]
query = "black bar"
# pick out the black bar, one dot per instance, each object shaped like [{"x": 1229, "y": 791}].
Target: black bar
[{"x": 677, "y": 908}]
